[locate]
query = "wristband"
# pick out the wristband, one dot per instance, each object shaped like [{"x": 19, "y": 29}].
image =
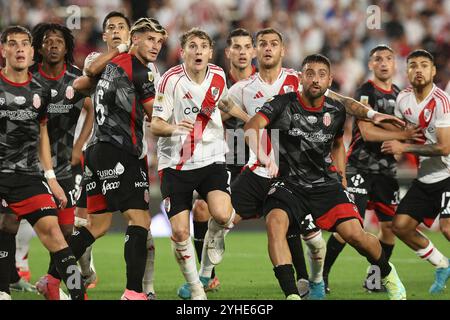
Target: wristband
[
  {"x": 49, "y": 174},
  {"x": 123, "y": 47},
  {"x": 371, "y": 113}
]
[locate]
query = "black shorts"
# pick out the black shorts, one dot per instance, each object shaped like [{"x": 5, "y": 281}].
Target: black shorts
[
  {"x": 248, "y": 193},
  {"x": 374, "y": 192},
  {"x": 235, "y": 171},
  {"x": 425, "y": 201},
  {"x": 177, "y": 186},
  {"x": 328, "y": 205},
  {"x": 115, "y": 180},
  {"x": 25, "y": 195}
]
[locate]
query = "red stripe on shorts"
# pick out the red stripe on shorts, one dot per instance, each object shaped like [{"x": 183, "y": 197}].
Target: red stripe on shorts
[
  {"x": 341, "y": 211},
  {"x": 33, "y": 204}
]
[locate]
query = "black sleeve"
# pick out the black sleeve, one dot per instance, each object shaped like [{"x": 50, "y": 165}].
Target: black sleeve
[
  {"x": 366, "y": 90},
  {"x": 144, "y": 82},
  {"x": 273, "y": 107},
  {"x": 45, "y": 101}
]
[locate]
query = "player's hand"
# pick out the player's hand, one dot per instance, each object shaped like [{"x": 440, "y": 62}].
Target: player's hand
[
  {"x": 58, "y": 193},
  {"x": 393, "y": 147},
  {"x": 270, "y": 165},
  {"x": 182, "y": 128},
  {"x": 387, "y": 118},
  {"x": 413, "y": 133}
]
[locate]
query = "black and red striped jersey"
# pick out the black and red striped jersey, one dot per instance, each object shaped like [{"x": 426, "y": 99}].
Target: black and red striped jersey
[
  {"x": 23, "y": 106},
  {"x": 124, "y": 86},
  {"x": 63, "y": 112},
  {"x": 366, "y": 156}
]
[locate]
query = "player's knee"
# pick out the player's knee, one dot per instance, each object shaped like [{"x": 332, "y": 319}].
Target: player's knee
[
  {"x": 398, "y": 228},
  {"x": 355, "y": 239},
  {"x": 66, "y": 230},
  {"x": 200, "y": 211},
  {"x": 9, "y": 223},
  {"x": 277, "y": 224},
  {"x": 180, "y": 234}
]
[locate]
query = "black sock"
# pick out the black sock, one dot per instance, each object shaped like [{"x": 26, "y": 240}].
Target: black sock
[
  {"x": 50, "y": 264},
  {"x": 382, "y": 263},
  {"x": 7, "y": 243},
  {"x": 286, "y": 279},
  {"x": 135, "y": 255},
  {"x": 66, "y": 264},
  {"x": 80, "y": 240},
  {"x": 298, "y": 257},
  {"x": 334, "y": 248},
  {"x": 200, "y": 228},
  {"x": 14, "y": 274},
  {"x": 387, "y": 248}
]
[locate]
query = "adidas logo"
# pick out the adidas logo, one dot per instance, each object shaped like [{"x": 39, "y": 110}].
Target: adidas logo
[
  {"x": 258, "y": 95},
  {"x": 187, "y": 95},
  {"x": 408, "y": 112}
]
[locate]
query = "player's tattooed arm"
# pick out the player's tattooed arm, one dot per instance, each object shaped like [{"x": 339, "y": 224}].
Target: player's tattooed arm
[
  {"x": 98, "y": 64},
  {"x": 360, "y": 111},
  {"x": 440, "y": 148},
  {"x": 230, "y": 109}
]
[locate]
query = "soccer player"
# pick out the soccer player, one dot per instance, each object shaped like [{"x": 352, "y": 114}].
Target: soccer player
[
  {"x": 310, "y": 128},
  {"x": 53, "y": 55},
  {"x": 240, "y": 51},
  {"x": 115, "y": 168},
  {"x": 191, "y": 153},
  {"x": 23, "y": 116},
  {"x": 427, "y": 106},
  {"x": 251, "y": 186},
  {"x": 370, "y": 173}
]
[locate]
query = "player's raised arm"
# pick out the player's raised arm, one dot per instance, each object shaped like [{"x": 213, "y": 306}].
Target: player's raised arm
[
  {"x": 360, "y": 111},
  {"x": 373, "y": 133}
]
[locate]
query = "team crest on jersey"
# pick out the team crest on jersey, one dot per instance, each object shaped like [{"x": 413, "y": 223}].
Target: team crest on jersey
[
  {"x": 36, "y": 101},
  {"x": 166, "y": 203},
  {"x": 427, "y": 115},
  {"x": 160, "y": 98},
  {"x": 288, "y": 88},
  {"x": 215, "y": 93},
  {"x": 53, "y": 92},
  {"x": 151, "y": 77},
  {"x": 20, "y": 100},
  {"x": 70, "y": 93},
  {"x": 2, "y": 101},
  {"x": 327, "y": 119}
]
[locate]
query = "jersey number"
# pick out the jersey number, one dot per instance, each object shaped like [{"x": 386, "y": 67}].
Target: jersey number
[{"x": 99, "y": 108}]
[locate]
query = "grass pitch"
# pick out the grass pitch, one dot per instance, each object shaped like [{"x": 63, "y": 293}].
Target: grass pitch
[{"x": 246, "y": 271}]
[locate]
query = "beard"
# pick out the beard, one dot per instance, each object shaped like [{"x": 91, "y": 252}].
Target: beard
[{"x": 314, "y": 95}]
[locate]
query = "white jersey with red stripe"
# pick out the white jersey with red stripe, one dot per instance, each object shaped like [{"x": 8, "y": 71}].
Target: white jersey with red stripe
[
  {"x": 180, "y": 98},
  {"x": 431, "y": 113},
  {"x": 252, "y": 93}
]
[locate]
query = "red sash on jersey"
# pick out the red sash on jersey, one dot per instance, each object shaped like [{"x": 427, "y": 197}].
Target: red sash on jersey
[
  {"x": 209, "y": 104},
  {"x": 426, "y": 114}
]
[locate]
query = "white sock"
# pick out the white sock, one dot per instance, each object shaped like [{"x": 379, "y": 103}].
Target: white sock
[
  {"x": 433, "y": 255},
  {"x": 85, "y": 262},
  {"x": 23, "y": 238},
  {"x": 215, "y": 227},
  {"x": 316, "y": 256},
  {"x": 147, "y": 282},
  {"x": 185, "y": 255},
  {"x": 206, "y": 266}
]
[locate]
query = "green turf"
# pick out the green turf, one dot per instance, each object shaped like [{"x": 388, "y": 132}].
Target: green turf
[{"x": 246, "y": 271}]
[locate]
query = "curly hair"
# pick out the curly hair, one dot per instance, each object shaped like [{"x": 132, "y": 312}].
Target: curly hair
[{"x": 39, "y": 32}]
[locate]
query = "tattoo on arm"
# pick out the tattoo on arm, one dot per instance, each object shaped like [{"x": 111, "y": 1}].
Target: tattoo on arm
[
  {"x": 427, "y": 150},
  {"x": 352, "y": 106},
  {"x": 225, "y": 107}
]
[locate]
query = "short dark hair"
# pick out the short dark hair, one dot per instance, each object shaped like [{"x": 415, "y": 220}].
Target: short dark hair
[
  {"x": 116, "y": 14},
  {"x": 39, "y": 32},
  {"x": 420, "y": 53},
  {"x": 269, "y": 31},
  {"x": 380, "y": 47},
  {"x": 317, "y": 58},
  {"x": 15, "y": 29},
  {"x": 239, "y": 32},
  {"x": 195, "y": 32}
]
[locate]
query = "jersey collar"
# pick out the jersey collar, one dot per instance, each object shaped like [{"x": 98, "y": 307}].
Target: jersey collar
[{"x": 46, "y": 76}]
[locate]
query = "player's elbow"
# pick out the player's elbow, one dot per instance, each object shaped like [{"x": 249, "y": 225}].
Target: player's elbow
[{"x": 445, "y": 149}]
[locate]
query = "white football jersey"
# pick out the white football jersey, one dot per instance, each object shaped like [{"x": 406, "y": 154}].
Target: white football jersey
[
  {"x": 252, "y": 93},
  {"x": 180, "y": 98},
  {"x": 433, "y": 112}
]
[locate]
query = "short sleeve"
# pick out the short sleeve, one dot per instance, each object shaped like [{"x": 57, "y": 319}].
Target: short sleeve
[
  {"x": 443, "y": 111},
  {"x": 235, "y": 94},
  {"x": 144, "y": 83},
  {"x": 397, "y": 110},
  {"x": 365, "y": 96},
  {"x": 163, "y": 106}
]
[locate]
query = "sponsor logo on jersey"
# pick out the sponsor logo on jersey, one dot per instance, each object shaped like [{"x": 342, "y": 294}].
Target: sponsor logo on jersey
[
  {"x": 87, "y": 172},
  {"x": 327, "y": 119},
  {"x": 357, "y": 180},
  {"x": 357, "y": 190},
  {"x": 53, "y": 93},
  {"x": 311, "y": 119},
  {"x": 310, "y": 136},
  {"x": 36, "y": 101},
  {"x": 70, "y": 93},
  {"x": 143, "y": 174},
  {"x": 187, "y": 96},
  {"x": 141, "y": 184},
  {"x": 110, "y": 186},
  {"x": 20, "y": 100},
  {"x": 18, "y": 114},
  {"x": 59, "y": 108},
  {"x": 3, "y": 254},
  {"x": 91, "y": 186},
  {"x": 2, "y": 101},
  {"x": 258, "y": 95},
  {"x": 408, "y": 112}
]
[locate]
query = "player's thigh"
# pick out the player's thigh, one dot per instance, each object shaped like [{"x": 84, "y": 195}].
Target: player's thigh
[
  {"x": 359, "y": 186},
  {"x": 177, "y": 189},
  {"x": 137, "y": 217}
]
